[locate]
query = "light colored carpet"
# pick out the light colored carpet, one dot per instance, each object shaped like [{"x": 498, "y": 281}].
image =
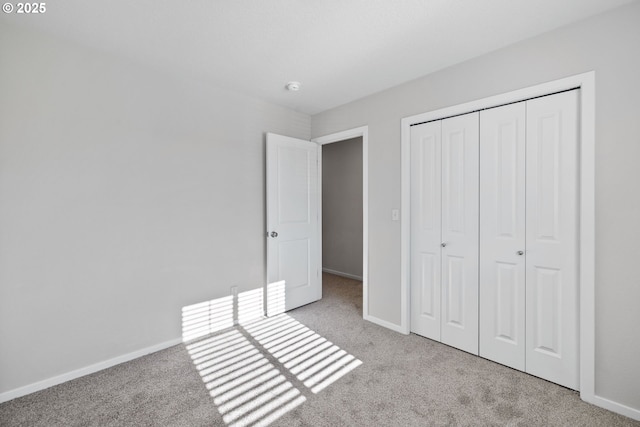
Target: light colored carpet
[{"x": 402, "y": 381}]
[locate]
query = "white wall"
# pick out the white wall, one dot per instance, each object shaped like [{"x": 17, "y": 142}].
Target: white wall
[
  {"x": 607, "y": 44},
  {"x": 125, "y": 194},
  {"x": 342, "y": 207}
]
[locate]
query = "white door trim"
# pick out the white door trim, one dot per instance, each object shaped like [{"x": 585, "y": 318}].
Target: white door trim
[
  {"x": 362, "y": 131},
  {"x": 586, "y": 82}
]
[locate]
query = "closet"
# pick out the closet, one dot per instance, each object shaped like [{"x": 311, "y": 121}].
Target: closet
[{"x": 494, "y": 234}]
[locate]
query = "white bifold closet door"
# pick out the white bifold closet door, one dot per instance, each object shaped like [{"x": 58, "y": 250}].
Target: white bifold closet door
[
  {"x": 529, "y": 237},
  {"x": 444, "y": 223},
  {"x": 460, "y": 146},
  {"x": 426, "y": 231},
  {"x": 502, "y": 234},
  {"x": 552, "y": 349}
]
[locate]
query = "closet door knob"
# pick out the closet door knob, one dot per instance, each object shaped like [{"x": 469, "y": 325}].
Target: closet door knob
[
  {"x": 443, "y": 244},
  {"x": 274, "y": 234},
  {"x": 520, "y": 252}
]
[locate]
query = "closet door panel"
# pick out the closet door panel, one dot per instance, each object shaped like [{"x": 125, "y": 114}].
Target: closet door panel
[
  {"x": 460, "y": 151},
  {"x": 502, "y": 235},
  {"x": 552, "y": 239},
  {"x": 425, "y": 229}
]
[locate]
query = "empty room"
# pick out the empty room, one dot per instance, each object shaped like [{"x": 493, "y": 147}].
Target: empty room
[{"x": 320, "y": 213}]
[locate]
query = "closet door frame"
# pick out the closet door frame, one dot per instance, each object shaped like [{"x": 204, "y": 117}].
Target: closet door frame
[{"x": 586, "y": 83}]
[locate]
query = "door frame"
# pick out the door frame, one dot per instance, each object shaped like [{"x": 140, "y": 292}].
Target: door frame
[
  {"x": 586, "y": 83},
  {"x": 363, "y": 132}
]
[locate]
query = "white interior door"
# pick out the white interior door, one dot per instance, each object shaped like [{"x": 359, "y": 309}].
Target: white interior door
[
  {"x": 425, "y": 229},
  {"x": 460, "y": 210},
  {"x": 552, "y": 238},
  {"x": 502, "y": 234},
  {"x": 293, "y": 233}
]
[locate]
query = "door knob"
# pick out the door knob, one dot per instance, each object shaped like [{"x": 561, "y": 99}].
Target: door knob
[
  {"x": 520, "y": 252},
  {"x": 443, "y": 244},
  {"x": 274, "y": 234}
]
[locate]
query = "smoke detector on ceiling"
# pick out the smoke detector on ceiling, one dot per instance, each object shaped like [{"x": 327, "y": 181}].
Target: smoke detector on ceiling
[{"x": 293, "y": 86}]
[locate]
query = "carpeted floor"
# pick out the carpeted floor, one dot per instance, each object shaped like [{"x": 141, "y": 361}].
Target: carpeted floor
[{"x": 319, "y": 365}]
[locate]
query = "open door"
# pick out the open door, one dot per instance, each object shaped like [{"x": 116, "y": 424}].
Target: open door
[{"x": 293, "y": 231}]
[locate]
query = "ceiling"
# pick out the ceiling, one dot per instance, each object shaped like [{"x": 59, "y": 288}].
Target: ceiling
[{"x": 340, "y": 50}]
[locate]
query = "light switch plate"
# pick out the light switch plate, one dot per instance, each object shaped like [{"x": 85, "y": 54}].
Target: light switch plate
[{"x": 395, "y": 214}]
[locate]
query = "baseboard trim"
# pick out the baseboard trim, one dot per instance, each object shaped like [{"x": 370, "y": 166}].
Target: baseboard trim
[
  {"x": 384, "y": 323},
  {"x": 612, "y": 406},
  {"x": 77, "y": 373},
  {"x": 340, "y": 273}
]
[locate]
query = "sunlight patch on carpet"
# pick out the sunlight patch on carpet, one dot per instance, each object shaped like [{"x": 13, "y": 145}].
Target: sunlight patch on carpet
[
  {"x": 246, "y": 387},
  {"x": 314, "y": 360},
  {"x": 244, "y": 358}
]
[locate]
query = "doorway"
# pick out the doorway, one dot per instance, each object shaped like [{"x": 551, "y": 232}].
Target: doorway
[
  {"x": 342, "y": 208},
  {"x": 345, "y": 207},
  {"x": 341, "y": 227}
]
